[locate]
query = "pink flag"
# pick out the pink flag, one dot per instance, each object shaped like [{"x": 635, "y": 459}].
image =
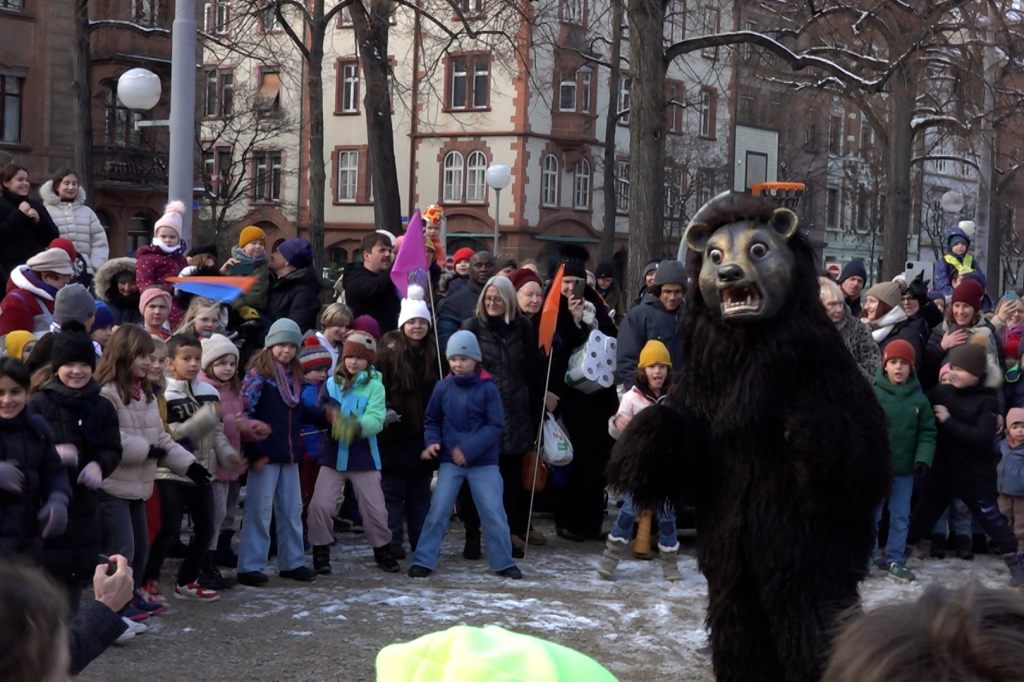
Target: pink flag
[{"x": 412, "y": 257}]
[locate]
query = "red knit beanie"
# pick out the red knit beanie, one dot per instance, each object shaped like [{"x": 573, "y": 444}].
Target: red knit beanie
[
  {"x": 969, "y": 291},
  {"x": 899, "y": 349}
]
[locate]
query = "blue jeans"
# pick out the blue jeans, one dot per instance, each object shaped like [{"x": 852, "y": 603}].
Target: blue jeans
[
  {"x": 275, "y": 488},
  {"x": 899, "y": 519},
  {"x": 665, "y": 512},
  {"x": 486, "y": 486},
  {"x": 957, "y": 518}
]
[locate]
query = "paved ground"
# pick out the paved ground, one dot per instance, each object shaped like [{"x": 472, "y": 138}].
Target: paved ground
[{"x": 639, "y": 626}]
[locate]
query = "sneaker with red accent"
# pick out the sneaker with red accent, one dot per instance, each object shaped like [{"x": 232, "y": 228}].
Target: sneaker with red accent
[
  {"x": 195, "y": 592},
  {"x": 151, "y": 593},
  {"x": 140, "y": 603}
]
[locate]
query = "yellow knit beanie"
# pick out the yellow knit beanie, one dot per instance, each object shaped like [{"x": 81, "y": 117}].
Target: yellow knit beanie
[
  {"x": 16, "y": 341},
  {"x": 251, "y": 234},
  {"x": 654, "y": 353}
]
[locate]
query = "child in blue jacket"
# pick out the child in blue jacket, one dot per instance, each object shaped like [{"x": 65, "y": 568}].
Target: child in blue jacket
[{"x": 463, "y": 425}]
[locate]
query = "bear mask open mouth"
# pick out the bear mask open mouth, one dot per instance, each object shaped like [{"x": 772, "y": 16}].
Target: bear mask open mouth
[{"x": 741, "y": 301}]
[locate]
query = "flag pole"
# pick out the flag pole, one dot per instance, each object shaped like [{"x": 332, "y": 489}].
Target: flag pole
[
  {"x": 540, "y": 445},
  {"x": 433, "y": 315}
]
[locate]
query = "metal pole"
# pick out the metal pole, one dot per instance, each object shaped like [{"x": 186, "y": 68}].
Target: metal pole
[
  {"x": 497, "y": 213},
  {"x": 183, "y": 110}
]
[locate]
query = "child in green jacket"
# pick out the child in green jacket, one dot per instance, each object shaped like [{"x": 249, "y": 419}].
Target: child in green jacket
[{"x": 911, "y": 442}]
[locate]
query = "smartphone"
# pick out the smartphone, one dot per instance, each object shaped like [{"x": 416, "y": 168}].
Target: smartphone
[{"x": 578, "y": 287}]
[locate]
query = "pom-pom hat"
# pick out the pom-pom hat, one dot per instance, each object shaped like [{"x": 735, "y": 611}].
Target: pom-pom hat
[
  {"x": 171, "y": 218},
  {"x": 313, "y": 356},
  {"x": 413, "y": 306},
  {"x": 359, "y": 345}
]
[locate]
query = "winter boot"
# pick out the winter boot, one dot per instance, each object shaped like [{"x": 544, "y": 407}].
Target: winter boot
[
  {"x": 963, "y": 547},
  {"x": 225, "y": 556},
  {"x": 322, "y": 559},
  {"x": 669, "y": 562},
  {"x": 471, "y": 550},
  {"x": 614, "y": 551},
  {"x": 938, "y": 547},
  {"x": 1015, "y": 562},
  {"x": 382, "y": 555}
]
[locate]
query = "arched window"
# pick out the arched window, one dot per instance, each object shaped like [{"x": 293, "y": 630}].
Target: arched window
[
  {"x": 549, "y": 181},
  {"x": 581, "y": 185},
  {"x": 476, "y": 168},
  {"x": 453, "y": 178}
]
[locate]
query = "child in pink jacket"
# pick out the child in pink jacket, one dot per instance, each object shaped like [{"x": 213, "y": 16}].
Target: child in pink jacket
[
  {"x": 650, "y": 387},
  {"x": 164, "y": 257},
  {"x": 220, "y": 370}
]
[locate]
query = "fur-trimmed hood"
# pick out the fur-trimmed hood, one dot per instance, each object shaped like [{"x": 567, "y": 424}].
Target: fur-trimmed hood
[
  {"x": 20, "y": 280},
  {"x": 50, "y": 198},
  {"x": 108, "y": 272}
]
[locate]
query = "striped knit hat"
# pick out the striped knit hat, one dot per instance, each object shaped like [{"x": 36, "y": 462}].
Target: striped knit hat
[{"x": 313, "y": 356}]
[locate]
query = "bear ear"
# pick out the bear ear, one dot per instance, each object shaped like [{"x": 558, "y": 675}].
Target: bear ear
[
  {"x": 697, "y": 235},
  {"x": 784, "y": 222}
]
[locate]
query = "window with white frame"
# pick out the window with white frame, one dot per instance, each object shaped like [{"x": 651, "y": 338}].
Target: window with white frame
[
  {"x": 748, "y": 48},
  {"x": 585, "y": 76},
  {"x": 572, "y": 11},
  {"x": 581, "y": 185},
  {"x": 452, "y": 178},
  {"x": 10, "y": 107},
  {"x": 217, "y": 171},
  {"x": 567, "y": 91},
  {"x": 711, "y": 19},
  {"x": 12, "y": 4},
  {"x": 675, "y": 21},
  {"x": 623, "y": 110},
  {"x": 674, "y": 107},
  {"x": 348, "y": 175},
  {"x": 348, "y": 101},
  {"x": 673, "y": 183},
  {"x": 471, "y": 7},
  {"x": 268, "y": 19},
  {"x": 469, "y": 81},
  {"x": 622, "y": 186},
  {"x": 835, "y": 135},
  {"x": 705, "y": 188},
  {"x": 223, "y": 16},
  {"x": 476, "y": 169},
  {"x": 268, "y": 97},
  {"x": 549, "y": 181},
  {"x": 266, "y": 176},
  {"x": 145, "y": 12},
  {"x": 118, "y": 121},
  {"x": 706, "y": 111},
  {"x": 220, "y": 92}
]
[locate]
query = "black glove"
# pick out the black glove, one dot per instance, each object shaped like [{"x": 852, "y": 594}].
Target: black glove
[
  {"x": 918, "y": 288},
  {"x": 920, "y": 470},
  {"x": 198, "y": 474},
  {"x": 156, "y": 452}
]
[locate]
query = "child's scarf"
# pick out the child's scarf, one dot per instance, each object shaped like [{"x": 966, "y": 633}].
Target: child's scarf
[{"x": 291, "y": 392}]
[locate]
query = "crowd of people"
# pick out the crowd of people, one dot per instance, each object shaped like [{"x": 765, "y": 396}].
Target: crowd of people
[
  {"x": 945, "y": 364},
  {"x": 127, "y": 402}
]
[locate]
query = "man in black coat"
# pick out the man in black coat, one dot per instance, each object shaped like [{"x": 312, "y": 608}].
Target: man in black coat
[
  {"x": 461, "y": 305},
  {"x": 368, "y": 286},
  {"x": 294, "y": 286}
]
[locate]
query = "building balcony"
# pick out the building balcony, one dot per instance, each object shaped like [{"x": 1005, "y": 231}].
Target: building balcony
[{"x": 129, "y": 167}]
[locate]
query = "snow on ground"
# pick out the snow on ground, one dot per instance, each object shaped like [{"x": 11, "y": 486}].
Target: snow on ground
[{"x": 639, "y": 626}]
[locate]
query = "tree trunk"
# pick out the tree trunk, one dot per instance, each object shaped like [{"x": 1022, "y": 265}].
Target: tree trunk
[
  {"x": 317, "y": 165},
  {"x": 898, "y": 199},
  {"x": 371, "y": 31},
  {"x": 646, "y": 139},
  {"x": 81, "y": 87},
  {"x": 610, "y": 126}
]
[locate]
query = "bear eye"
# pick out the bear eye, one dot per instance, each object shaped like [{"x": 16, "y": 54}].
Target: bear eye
[
  {"x": 715, "y": 256},
  {"x": 758, "y": 251}
]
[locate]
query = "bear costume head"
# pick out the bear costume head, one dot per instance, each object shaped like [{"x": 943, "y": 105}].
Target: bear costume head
[{"x": 745, "y": 261}]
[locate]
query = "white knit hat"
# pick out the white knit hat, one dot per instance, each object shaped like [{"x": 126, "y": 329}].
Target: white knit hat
[
  {"x": 413, "y": 306},
  {"x": 171, "y": 217},
  {"x": 216, "y": 347}
]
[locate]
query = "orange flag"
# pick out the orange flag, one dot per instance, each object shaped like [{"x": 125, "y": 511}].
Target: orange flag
[{"x": 549, "y": 315}]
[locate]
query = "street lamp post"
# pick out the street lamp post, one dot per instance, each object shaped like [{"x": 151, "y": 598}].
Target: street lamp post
[
  {"x": 183, "y": 110},
  {"x": 498, "y": 177}
]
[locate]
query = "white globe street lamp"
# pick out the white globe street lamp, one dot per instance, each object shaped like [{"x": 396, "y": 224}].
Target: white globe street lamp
[
  {"x": 139, "y": 89},
  {"x": 498, "y": 176}
]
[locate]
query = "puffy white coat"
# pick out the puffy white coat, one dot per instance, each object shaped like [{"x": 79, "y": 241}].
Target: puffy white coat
[
  {"x": 79, "y": 223},
  {"x": 141, "y": 426}
]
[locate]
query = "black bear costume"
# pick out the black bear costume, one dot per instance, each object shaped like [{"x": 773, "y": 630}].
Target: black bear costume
[{"x": 775, "y": 436}]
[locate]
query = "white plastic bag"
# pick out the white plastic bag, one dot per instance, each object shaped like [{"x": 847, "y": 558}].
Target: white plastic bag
[{"x": 557, "y": 450}]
